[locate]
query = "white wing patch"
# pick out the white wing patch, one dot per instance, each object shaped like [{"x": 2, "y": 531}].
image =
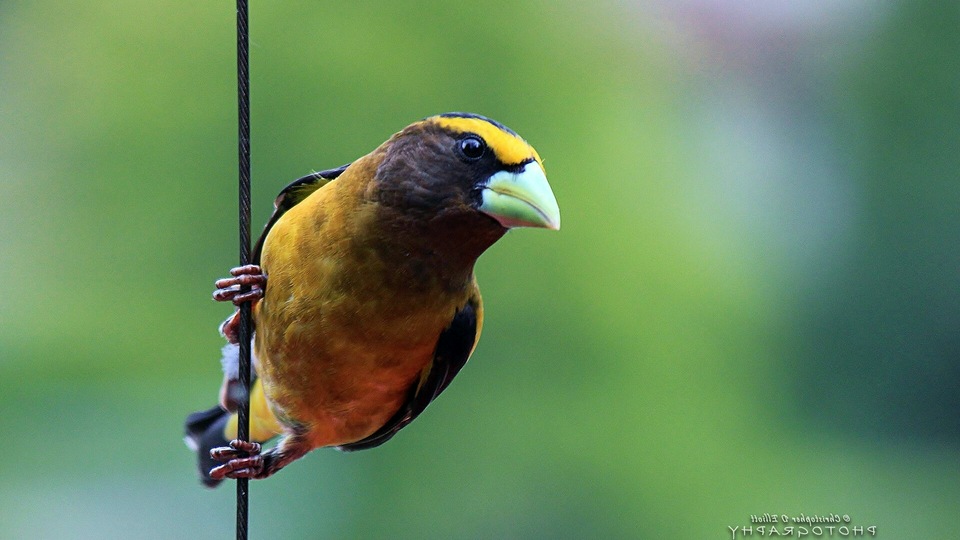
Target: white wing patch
[{"x": 230, "y": 360}]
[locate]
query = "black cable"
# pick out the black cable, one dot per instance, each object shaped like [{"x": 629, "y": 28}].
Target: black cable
[{"x": 243, "y": 113}]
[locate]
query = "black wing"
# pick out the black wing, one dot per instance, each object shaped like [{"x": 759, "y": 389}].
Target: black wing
[
  {"x": 292, "y": 195},
  {"x": 453, "y": 350}
]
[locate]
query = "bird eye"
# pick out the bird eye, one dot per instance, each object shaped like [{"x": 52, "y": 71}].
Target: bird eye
[{"x": 471, "y": 147}]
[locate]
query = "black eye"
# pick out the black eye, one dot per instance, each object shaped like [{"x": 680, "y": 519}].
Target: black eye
[{"x": 471, "y": 147}]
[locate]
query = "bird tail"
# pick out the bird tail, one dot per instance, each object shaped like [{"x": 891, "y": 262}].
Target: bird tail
[
  {"x": 205, "y": 431},
  {"x": 215, "y": 427}
]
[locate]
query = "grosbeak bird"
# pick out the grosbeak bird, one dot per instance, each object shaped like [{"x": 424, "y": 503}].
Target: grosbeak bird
[{"x": 365, "y": 300}]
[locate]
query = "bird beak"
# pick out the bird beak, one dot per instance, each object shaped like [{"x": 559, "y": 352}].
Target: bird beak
[{"x": 521, "y": 199}]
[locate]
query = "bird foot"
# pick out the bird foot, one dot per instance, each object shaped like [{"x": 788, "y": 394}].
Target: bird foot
[
  {"x": 234, "y": 289},
  {"x": 242, "y": 460}
]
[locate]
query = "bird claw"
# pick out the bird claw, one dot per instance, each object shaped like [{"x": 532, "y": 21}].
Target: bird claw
[
  {"x": 246, "y": 285},
  {"x": 242, "y": 460}
]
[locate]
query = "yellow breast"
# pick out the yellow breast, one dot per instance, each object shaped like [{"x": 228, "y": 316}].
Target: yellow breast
[{"x": 338, "y": 343}]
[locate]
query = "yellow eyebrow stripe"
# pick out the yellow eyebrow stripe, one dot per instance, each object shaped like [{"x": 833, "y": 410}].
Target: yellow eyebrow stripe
[{"x": 509, "y": 148}]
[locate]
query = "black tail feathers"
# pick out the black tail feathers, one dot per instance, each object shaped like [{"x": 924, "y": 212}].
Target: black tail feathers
[{"x": 204, "y": 431}]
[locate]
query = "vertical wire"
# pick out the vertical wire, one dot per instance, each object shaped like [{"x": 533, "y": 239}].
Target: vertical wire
[{"x": 243, "y": 114}]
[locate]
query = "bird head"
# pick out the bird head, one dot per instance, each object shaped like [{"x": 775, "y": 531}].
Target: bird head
[{"x": 459, "y": 168}]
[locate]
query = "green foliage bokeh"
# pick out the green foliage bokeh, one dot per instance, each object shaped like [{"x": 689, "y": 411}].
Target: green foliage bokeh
[{"x": 752, "y": 306}]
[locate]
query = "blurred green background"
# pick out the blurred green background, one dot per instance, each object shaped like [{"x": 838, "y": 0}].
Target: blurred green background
[{"x": 753, "y": 306}]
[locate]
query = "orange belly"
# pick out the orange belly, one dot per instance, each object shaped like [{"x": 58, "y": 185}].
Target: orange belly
[{"x": 344, "y": 330}]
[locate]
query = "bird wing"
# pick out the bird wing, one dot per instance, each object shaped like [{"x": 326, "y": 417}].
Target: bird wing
[
  {"x": 454, "y": 347},
  {"x": 292, "y": 195}
]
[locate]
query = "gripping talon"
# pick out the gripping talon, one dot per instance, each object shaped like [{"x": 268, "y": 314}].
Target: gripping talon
[
  {"x": 234, "y": 289},
  {"x": 248, "y": 269},
  {"x": 242, "y": 460},
  {"x": 236, "y": 449},
  {"x": 249, "y": 296},
  {"x": 250, "y": 467},
  {"x": 245, "y": 279}
]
